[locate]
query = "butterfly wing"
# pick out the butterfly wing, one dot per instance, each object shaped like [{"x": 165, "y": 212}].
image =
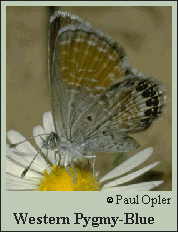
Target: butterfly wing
[
  {"x": 84, "y": 64},
  {"x": 109, "y": 140},
  {"x": 139, "y": 101},
  {"x": 59, "y": 90},
  {"x": 91, "y": 94},
  {"x": 129, "y": 106}
]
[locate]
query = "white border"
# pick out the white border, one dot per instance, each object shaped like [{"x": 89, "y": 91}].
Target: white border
[{"x": 96, "y": 3}]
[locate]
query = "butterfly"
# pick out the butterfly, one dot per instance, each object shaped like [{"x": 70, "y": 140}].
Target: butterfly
[{"x": 97, "y": 98}]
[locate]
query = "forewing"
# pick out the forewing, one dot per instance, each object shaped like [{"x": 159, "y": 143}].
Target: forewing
[
  {"x": 85, "y": 62},
  {"x": 58, "y": 21},
  {"x": 59, "y": 90}
]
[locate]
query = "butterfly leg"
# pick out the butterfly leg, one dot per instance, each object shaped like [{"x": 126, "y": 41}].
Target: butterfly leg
[
  {"x": 92, "y": 162},
  {"x": 72, "y": 171},
  {"x": 58, "y": 158}
]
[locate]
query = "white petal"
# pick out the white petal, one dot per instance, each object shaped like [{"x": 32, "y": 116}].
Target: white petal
[
  {"x": 15, "y": 136},
  {"x": 16, "y": 183},
  {"x": 25, "y": 147},
  {"x": 39, "y": 136},
  {"x": 38, "y": 130},
  {"x": 131, "y": 176},
  {"x": 144, "y": 186},
  {"x": 48, "y": 122},
  {"x": 15, "y": 168},
  {"x": 129, "y": 164},
  {"x": 23, "y": 159}
]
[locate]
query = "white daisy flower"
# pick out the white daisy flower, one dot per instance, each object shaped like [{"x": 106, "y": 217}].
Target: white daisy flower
[{"x": 37, "y": 168}]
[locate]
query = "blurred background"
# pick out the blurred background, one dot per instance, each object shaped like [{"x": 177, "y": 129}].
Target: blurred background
[{"x": 144, "y": 32}]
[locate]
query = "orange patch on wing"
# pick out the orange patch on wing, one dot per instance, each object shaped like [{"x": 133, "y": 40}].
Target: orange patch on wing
[{"x": 88, "y": 61}]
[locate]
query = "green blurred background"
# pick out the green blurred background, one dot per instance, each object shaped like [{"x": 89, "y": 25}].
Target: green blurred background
[{"x": 145, "y": 33}]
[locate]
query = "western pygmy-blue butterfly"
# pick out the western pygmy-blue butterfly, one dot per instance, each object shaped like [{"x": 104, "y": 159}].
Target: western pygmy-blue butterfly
[{"x": 97, "y": 98}]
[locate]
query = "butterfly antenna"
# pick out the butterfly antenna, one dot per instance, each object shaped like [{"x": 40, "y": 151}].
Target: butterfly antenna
[{"x": 29, "y": 166}]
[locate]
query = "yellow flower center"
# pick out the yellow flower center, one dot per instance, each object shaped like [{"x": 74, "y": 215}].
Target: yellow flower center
[{"x": 62, "y": 179}]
